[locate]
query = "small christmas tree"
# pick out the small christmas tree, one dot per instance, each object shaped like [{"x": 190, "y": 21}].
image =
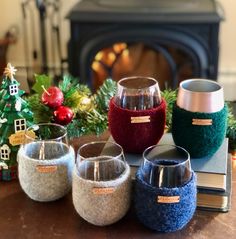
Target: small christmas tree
[{"x": 15, "y": 117}]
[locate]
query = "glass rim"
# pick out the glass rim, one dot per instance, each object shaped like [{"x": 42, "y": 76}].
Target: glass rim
[
  {"x": 101, "y": 142},
  {"x": 45, "y": 124},
  {"x": 119, "y": 83},
  {"x": 164, "y": 165},
  {"x": 184, "y": 85}
]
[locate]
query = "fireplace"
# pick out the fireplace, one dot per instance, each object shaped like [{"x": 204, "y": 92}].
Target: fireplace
[{"x": 168, "y": 40}]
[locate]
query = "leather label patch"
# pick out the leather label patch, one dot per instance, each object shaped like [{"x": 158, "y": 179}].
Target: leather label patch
[
  {"x": 102, "y": 191},
  {"x": 46, "y": 168},
  {"x": 168, "y": 199},
  {"x": 140, "y": 119},
  {"x": 201, "y": 121}
]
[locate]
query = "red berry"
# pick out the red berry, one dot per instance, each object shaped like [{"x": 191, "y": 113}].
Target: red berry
[
  {"x": 52, "y": 97},
  {"x": 63, "y": 115}
]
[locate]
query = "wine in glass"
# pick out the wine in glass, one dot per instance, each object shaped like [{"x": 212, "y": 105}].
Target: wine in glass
[{"x": 137, "y": 113}]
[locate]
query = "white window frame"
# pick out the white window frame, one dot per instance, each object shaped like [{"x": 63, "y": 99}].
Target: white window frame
[
  {"x": 20, "y": 124},
  {"x": 5, "y": 152},
  {"x": 13, "y": 89}
]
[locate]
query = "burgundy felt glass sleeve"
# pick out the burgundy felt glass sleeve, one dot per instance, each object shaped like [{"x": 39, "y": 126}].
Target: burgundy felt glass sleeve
[{"x": 136, "y": 130}]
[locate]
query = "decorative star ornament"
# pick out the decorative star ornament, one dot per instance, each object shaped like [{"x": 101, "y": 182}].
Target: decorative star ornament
[{"x": 10, "y": 71}]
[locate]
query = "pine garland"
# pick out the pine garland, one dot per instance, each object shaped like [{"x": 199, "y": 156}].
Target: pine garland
[
  {"x": 104, "y": 94},
  {"x": 231, "y": 129},
  {"x": 41, "y": 112},
  {"x": 170, "y": 98},
  {"x": 90, "y": 111}
]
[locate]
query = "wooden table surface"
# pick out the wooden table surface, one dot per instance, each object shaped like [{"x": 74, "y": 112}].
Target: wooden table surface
[{"x": 21, "y": 217}]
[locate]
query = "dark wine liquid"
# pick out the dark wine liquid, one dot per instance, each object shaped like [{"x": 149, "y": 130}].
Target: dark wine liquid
[
  {"x": 138, "y": 102},
  {"x": 161, "y": 174},
  {"x": 166, "y": 162}
]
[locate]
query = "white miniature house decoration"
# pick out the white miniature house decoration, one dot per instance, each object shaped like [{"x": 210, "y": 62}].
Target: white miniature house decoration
[
  {"x": 13, "y": 89},
  {"x": 20, "y": 124},
  {"x": 5, "y": 152}
]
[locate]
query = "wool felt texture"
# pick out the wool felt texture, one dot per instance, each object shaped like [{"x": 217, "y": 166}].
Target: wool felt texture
[
  {"x": 102, "y": 209},
  {"x": 164, "y": 217},
  {"x": 45, "y": 186},
  {"x": 199, "y": 140},
  {"x": 135, "y": 137}
]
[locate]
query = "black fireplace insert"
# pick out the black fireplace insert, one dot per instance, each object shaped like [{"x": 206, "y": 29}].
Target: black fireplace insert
[{"x": 169, "y": 40}]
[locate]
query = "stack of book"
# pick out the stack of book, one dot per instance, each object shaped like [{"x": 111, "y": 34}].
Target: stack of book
[{"x": 214, "y": 176}]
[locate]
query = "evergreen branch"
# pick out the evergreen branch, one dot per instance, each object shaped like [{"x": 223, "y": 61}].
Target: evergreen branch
[
  {"x": 74, "y": 129},
  {"x": 41, "y": 113},
  {"x": 69, "y": 84},
  {"x": 104, "y": 94},
  {"x": 170, "y": 98},
  {"x": 231, "y": 127},
  {"x": 88, "y": 123},
  {"x": 72, "y": 100},
  {"x": 96, "y": 122},
  {"x": 83, "y": 88},
  {"x": 73, "y": 92},
  {"x": 65, "y": 84}
]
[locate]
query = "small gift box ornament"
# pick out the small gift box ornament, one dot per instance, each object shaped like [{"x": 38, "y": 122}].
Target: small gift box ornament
[
  {"x": 45, "y": 163},
  {"x": 199, "y": 118},
  {"x": 165, "y": 188},
  {"x": 137, "y": 114},
  {"x": 101, "y": 188}
]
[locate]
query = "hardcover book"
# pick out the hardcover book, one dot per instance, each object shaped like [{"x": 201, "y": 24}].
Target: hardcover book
[
  {"x": 214, "y": 200},
  {"x": 211, "y": 171}
]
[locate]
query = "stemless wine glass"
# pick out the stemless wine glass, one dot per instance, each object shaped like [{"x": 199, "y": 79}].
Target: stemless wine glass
[
  {"x": 138, "y": 93},
  {"x": 166, "y": 166},
  {"x": 137, "y": 110},
  {"x": 45, "y": 162},
  {"x": 101, "y": 183},
  {"x": 165, "y": 188}
]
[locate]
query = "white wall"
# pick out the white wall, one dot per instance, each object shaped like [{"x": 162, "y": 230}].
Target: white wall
[
  {"x": 227, "y": 63},
  {"x": 11, "y": 14},
  {"x": 228, "y": 37}
]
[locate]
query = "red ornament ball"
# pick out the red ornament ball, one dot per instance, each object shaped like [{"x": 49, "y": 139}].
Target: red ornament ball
[
  {"x": 52, "y": 97},
  {"x": 63, "y": 115}
]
